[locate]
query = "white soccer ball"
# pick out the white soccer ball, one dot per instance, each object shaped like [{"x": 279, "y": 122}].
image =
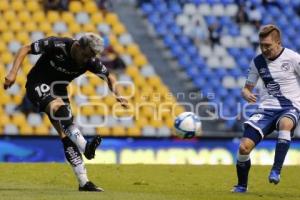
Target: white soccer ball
[{"x": 187, "y": 125}]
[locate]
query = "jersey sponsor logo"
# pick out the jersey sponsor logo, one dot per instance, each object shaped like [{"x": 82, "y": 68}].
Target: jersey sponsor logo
[
  {"x": 63, "y": 70},
  {"x": 285, "y": 66},
  {"x": 274, "y": 89}
]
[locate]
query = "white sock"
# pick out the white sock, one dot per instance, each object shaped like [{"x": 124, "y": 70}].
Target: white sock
[
  {"x": 242, "y": 158},
  {"x": 81, "y": 174},
  {"x": 75, "y": 136}
]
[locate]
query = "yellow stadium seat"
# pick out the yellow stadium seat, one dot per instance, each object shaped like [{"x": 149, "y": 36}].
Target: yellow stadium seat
[
  {"x": 119, "y": 49},
  {"x": 89, "y": 28},
  {"x": 16, "y": 26},
  {"x": 74, "y": 28},
  {"x": 90, "y": 7},
  {"x": 103, "y": 131},
  {"x": 157, "y": 123},
  {"x": 109, "y": 100},
  {"x": 101, "y": 110},
  {"x": 25, "y": 129},
  {"x": 88, "y": 90},
  {"x": 3, "y": 47},
  {"x": 32, "y": 5},
  {"x": 75, "y": 6},
  {"x": 17, "y": 99},
  {"x": 21, "y": 79},
  {"x": 46, "y": 121},
  {"x": 68, "y": 17},
  {"x": 46, "y": 27},
  {"x": 9, "y": 16},
  {"x": 4, "y": 119},
  {"x": 118, "y": 131},
  {"x": 87, "y": 110},
  {"x": 24, "y": 16},
  {"x": 18, "y": 119},
  {"x": 140, "y": 60},
  {"x": 17, "y": 5},
  {"x": 169, "y": 122},
  {"x": 41, "y": 130},
  {"x": 53, "y": 16},
  {"x": 132, "y": 71},
  {"x": 133, "y": 50},
  {"x": 134, "y": 131},
  {"x": 113, "y": 39},
  {"x": 141, "y": 121},
  {"x": 4, "y": 26},
  {"x": 39, "y": 16},
  {"x": 179, "y": 109},
  {"x": 97, "y": 18},
  {"x": 30, "y": 26},
  {"x": 4, "y": 5},
  {"x": 154, "y": 80},
  {"x": 118, "y": 29},
  {"x": 6, "y": 58},
  {"x": 111, "y": 18}
]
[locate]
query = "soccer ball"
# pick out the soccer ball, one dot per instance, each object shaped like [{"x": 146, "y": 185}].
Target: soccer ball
[{"x": 187, "y": 125}]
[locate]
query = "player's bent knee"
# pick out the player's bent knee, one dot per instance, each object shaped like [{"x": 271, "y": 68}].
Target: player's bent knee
[
  {"x": 286, "y": 124},
  {"x": 244, "y": 149},
  {"x": 64, "y": 116}
]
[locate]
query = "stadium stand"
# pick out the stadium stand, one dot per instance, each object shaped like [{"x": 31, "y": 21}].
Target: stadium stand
[
  {"x": 219, "y": 67},
  {"x": 24, "y": 21}
]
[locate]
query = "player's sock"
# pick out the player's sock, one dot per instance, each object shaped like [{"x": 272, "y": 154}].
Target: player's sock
[
  {"x": 75, "y": 135},
  {"x": 64, "y": 116},
  {"x": 282, "y": 147},
  {"x": 242, "y": 167},
  {"x": 75, "y": 159}
]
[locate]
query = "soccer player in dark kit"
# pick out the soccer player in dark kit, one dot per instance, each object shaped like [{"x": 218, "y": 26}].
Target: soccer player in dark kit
[{"x": 61, "y": 61}]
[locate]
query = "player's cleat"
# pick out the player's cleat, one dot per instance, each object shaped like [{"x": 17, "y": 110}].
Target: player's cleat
[
  {"x": 90, "y": 187},
  {"x": 274, "y": 177},
  {"x": 91, "y": 147},
  {"x": 239, "y": 189}
]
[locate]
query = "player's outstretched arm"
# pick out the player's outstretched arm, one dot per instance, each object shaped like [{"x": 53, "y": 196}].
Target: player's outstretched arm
[
  {"x": 247, "y": 93},
  {"x": 10, "y": 78},
  {"x": 111, "y": 81}
]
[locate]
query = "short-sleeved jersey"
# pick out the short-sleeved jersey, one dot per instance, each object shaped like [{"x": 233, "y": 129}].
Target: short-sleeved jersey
[
  {"x": 280, "y": 77},
  {"x": 56, "y": 63}
]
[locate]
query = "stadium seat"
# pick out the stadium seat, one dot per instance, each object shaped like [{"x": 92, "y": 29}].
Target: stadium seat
[
  {"x": 32, "y": 6},
  {"x": 4, "y": 5},
  {"x": 17, "y": 6},
  {"x": 75, "y": 6},
  {"x": 90, "y": 7}
]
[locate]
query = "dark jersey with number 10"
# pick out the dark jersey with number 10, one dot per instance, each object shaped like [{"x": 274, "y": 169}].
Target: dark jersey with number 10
[{"x": 56, "y": 63}]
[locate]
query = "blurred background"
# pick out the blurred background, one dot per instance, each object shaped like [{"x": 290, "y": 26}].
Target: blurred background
[{"x": 169, "y": 56}]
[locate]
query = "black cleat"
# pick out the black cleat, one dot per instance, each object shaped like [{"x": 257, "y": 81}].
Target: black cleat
[
  {"x": 90, "y": 187},
  {"x": 91, "y": 147}
]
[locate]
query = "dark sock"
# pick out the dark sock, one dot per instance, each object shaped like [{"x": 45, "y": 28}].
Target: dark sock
[
  {"x": 281, "y": 150},
  {"x": 72, "y": 153},
  {"x": 242, "y": 169}
]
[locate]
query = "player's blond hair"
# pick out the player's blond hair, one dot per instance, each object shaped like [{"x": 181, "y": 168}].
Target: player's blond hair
[{"x": 268, "y": 29}]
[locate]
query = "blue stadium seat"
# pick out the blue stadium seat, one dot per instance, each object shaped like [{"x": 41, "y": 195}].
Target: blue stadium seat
[
  {"x": 175, "y": 8},
  {"x": 184, "y": 41},
  {"x": 147, "y": 8},
  {"x": 184, "y": 61},
  {"x": 169, "y": 41}
]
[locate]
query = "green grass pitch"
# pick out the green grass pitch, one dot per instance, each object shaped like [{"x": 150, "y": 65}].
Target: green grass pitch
[{"x": 142, "y": 182}]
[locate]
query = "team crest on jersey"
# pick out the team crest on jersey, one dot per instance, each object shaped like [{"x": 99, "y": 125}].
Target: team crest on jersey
[{"x": 285, "y": 66}]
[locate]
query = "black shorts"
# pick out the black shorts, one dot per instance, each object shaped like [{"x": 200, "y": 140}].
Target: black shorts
[{"x": 41, "y": 94}]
